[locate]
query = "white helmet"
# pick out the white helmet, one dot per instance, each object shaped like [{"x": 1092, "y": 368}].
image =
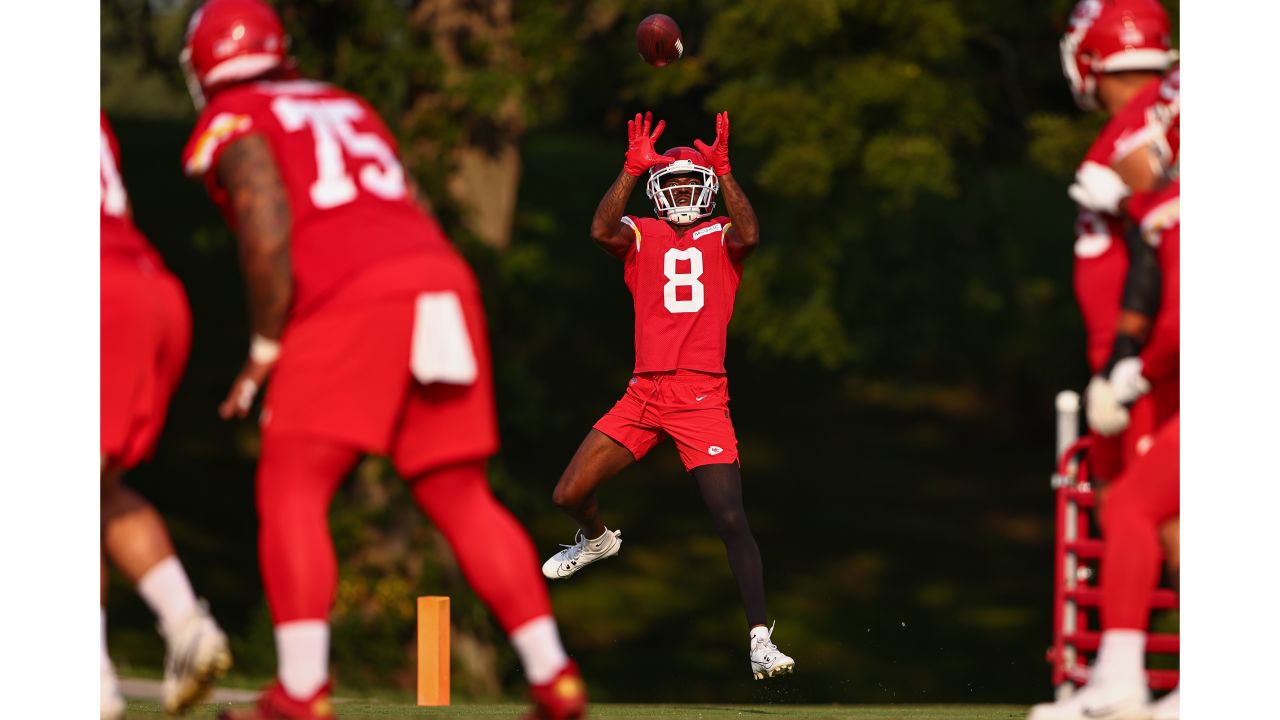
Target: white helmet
[{"x": 703, "y": 198}]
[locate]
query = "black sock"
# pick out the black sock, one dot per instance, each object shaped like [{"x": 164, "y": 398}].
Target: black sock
[{"x": 721, "y": 487}]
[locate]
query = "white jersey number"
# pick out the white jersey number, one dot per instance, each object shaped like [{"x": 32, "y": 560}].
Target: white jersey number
[
  {"x": 331, "y": 121},
  {"x": 677, "y": 279},
  {"x": 114, "y": 200}
]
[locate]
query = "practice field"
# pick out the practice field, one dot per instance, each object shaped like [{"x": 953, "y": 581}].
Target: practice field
[{"x": 362, "y": 710}]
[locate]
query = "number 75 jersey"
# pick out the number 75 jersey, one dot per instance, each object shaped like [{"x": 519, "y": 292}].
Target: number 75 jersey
[
  {"x": 349, "y": 199},
  {"x": 683, "y": 283}
]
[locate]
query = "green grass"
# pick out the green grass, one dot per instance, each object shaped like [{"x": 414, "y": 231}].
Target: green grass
[{"x": 367, "y": 710}]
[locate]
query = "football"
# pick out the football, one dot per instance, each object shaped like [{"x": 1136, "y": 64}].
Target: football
[{"x": 658, "y": 40}]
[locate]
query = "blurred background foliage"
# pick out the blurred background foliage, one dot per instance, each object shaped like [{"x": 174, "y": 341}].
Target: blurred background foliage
[{"x": 896, "y": 347}]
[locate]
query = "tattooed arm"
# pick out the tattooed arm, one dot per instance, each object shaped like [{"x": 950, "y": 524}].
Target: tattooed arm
[
  {"x": 260, "y": 206},
  {"x": 743, "y": 236},
  {"x": 606, "y": 227}
]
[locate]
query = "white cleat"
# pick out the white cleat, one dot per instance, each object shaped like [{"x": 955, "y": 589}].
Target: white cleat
[
  {"x": 112, "y": 699},
  {"x": 197, "y": 656},
  {"x": 767, "y": 660},
  {"x": 1099, "y": 702},
  {"x": 1166, "y": 708},
  {"x": 582, "y": 553}
]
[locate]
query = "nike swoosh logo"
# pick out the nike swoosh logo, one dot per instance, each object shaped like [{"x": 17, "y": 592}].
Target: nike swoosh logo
[{"x": 699, "y": 399}]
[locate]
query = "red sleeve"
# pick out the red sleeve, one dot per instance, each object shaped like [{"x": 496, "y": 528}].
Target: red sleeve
[
  {"x": 228, "y": 117},
  {"x": 111, "y": 136},
  {"x": 635, "y": 223}
]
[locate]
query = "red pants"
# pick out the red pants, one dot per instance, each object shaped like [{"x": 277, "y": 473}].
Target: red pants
[
  {"x": 146, "y": 336},
  {"x": 690, "y": 407},
  {"x": 1132, "y": 513},
  {"x": 344, "y": 387}
]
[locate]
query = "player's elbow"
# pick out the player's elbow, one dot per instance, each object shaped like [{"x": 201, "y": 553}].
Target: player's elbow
[
  {"x": 747, "y": 238},
  {"x": 601, "y": 232}
]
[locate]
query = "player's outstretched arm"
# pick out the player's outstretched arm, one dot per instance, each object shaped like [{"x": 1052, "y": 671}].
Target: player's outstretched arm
[
  {"x": 606, "y": 227},
  {"x": 743, "y": 236},
  {"x": 247, "y": 172}
]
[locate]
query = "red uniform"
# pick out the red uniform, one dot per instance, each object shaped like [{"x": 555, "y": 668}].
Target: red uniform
[
  {"x": 146, "y": 325},
  {"x": 1158, "y": 216},
  {"x": 683, "y": 283},
  {"x": 1102, "y": 261},
  {"x": 385, "y": 348},
  {"x": 1131, "y": 519}
]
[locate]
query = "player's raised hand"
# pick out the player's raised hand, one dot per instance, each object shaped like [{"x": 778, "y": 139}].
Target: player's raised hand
[
  {"x": 262, "y": 359},
  {"x": 640, "y": 153},
  {"x": 717, "y": 153}
]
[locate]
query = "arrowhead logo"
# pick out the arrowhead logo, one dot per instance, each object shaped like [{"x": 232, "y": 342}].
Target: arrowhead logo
[{"x": 715, "y": 450}]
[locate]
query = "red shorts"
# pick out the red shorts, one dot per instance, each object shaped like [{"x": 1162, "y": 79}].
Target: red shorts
[
  {"x": 1110, "y": 456},
  {"x": 146, "y": 336},
  {"x": 691, "y": 407},
  {"x": 345, "y": 373}
]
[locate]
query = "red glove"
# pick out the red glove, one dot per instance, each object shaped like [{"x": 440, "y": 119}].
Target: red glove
[
  {"x": 717, "y": 153},
  {"x": 640, "y": 153}
]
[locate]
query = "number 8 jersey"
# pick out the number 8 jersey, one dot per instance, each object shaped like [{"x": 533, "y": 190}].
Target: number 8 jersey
[
  {"x": 349, "y": 199},
  {"x": 683, "y": 283}
]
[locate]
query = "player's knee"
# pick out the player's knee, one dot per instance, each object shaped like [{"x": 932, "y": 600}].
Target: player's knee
[
  {"x": 563, "y": 497},
  {"x": 731, "y": 522}
]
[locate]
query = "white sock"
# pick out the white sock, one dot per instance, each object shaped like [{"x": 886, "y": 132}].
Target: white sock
[
  {"x": 537, "y": 642},
  {"x": 303, "y": 649},
  {"x": 759, "y": 631},
  {"x": 106, "y": 657},
  {"x": 168, "y": 592},
  {"x": 599, "y": 543},
  {"x": 1121, "y": 657}
]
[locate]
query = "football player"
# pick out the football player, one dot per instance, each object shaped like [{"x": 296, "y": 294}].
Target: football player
[
  {"x": 1127, "y": 285},
  {"x": 683, "y": 270},
  {"x": 371, "y": 326},
  {"x": 1115, "y": 54},
  {"x": 146, "y": 335}
]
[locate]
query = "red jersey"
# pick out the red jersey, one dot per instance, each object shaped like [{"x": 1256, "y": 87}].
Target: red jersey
[
  {"x": 1153, "y": 120},
  {"x": 683, "y": 283},
  {"x": 1158, "y": 215},
  {"x": 120, "y": 238},
  {"x": 349, "y": 198},
  {"x": 1102, "y": 259}
]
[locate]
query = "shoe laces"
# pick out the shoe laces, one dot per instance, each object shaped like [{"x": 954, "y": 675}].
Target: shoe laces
[
  {"x": 579, "y": 543},
  {"x": 765, "y": 643}
]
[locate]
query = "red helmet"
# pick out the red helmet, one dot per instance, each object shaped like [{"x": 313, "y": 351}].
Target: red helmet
[
  {"x": 1113, "y": 36},
  {"x": 703, "y": 198},
  {"x": 230, "y": 41}
]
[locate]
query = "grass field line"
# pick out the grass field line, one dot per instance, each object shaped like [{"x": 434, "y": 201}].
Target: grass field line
[{"x": 375, "y": 710}]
